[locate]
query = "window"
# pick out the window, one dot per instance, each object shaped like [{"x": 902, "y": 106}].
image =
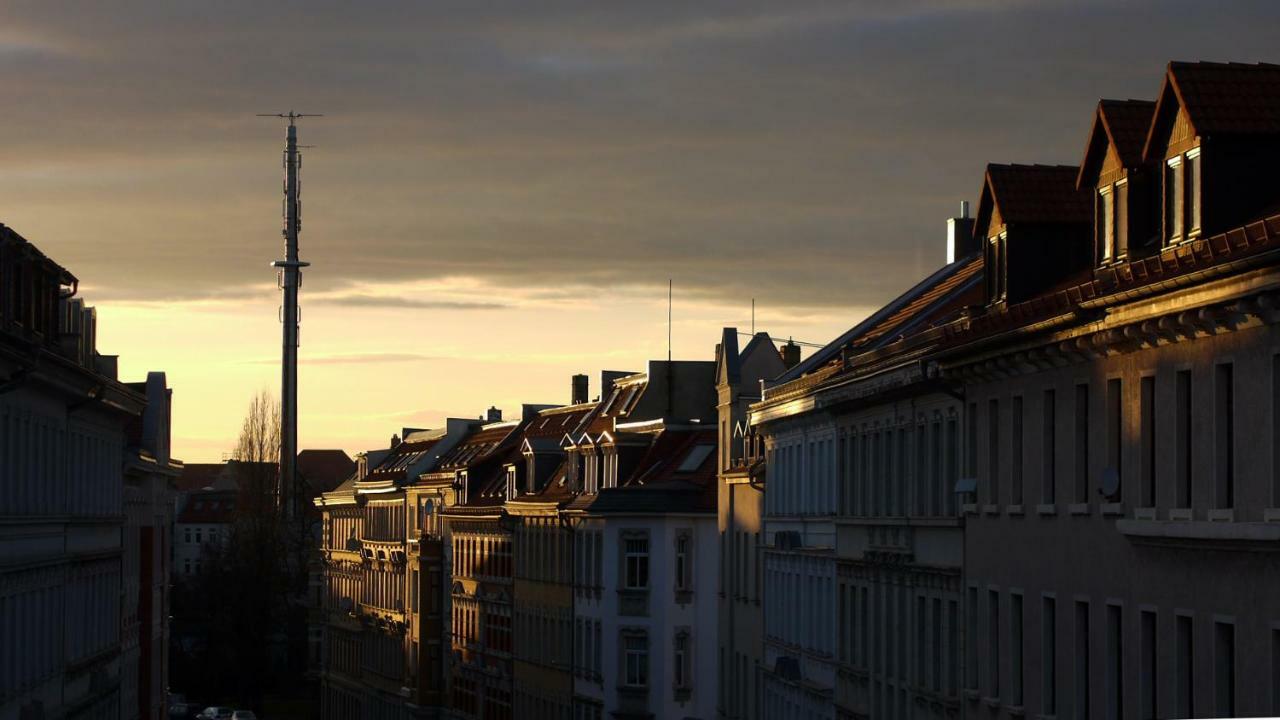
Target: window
[
  {"x": 186, "y": 535},
  {"x": 1275, "y": 430},
  {"x": 993, "y": 643},
  {"x": 971, "y": 664},
  {"x": 1115, "y": 662},
  {"x": 1147, "y": 670},
  {"x": 1081, "y": 651},
  {"x": 636, "y": 563},
  {"x": 1105, "y": 217},
  {"x": 1173, "y": 196},
  {"x": 1049, "y": 650},
  {"x": 1147, "y": 419},
  {"x": 1015, "y": 649},
  {"x": 199, "y": 537},
  {"x": 1185, "y": 656},
  {"x": 993, "y": 452},
  {"x": 1193, "y": 191},
  {"x": 1015, "y": 435},
  {"x": 1049, "y": 451},
  {"x": 1224, "y": 444},
  {"x": 1082, "y": 443},
  {"x": 695, "y": 458},
  {"x": 1182, "y": 491},
  {"x": 1224, "y": 669},
  {"x": 684, "y": 562},
  {"x": 511, "y": 482},
  {"x": 1115, "y": 426},
  {"x": 681, "y": 669},
  {"x": 635, "y": 659},
  {"x": 1122, "y": 220}
]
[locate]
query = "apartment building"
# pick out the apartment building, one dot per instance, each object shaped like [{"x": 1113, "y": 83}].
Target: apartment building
[
  {"x": 83, "y": 508},
  {"x": 1124, "y": 416},
  {"x": 740, "y": 498}
]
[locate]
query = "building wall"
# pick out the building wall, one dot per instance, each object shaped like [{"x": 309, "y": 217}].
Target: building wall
[
  {"x": 655, "y": 618},
  {"x": 543, "y": 618},
  {"x": 1140, "y": 603}
]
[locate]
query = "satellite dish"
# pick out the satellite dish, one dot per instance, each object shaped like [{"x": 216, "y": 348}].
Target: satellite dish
[{"x": 1110, "y": 484}]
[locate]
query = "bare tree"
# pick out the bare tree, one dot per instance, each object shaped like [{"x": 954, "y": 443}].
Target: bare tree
[{"x": 258, "y": 451}]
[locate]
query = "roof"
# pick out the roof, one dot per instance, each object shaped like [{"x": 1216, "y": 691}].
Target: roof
[
  {"x": 881, "y": 320},
  {"x": 935, "y": 303},
  {"x": 1220, "y": 98},
  {"x": 1033, "y": 194},
  {"x": 197, "y": 476},
  {"x": 1122, "y": 124},
  {"x": 323, "y": 470},
  {"x": 208, "y": 507},
  {"x": 401, "y": 457},
  {"x": 478, "y": 446}
]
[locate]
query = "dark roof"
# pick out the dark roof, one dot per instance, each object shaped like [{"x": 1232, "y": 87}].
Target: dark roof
[
  {"x": 1220, "y": 98},
  {"x": 324, "y": 470},
  {"x": 210, "y": 507},
  {"x": 1122, "y": 124},
  {"x": 1036, "y": 194},
  {"x": 477, "y": 447},
  {"x": 399, "y": 458},
  {"x": 196, "y": 476},
  {"x": 936, "y": 303}
]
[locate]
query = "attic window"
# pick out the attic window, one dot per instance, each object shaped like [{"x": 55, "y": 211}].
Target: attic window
[
  {"x": 695, "y": 458},
  {"x": 1112, "y": 217},
  {"x": 1182, "y": 196}
]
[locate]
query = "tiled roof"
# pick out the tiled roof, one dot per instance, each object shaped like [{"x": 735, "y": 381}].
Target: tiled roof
[
  {"x": 1127, "y": 123},
  {"x": 478, "y": 447},
  {"x": 196, "y": 476},
  {"x": 935, "y": 304},
  {"x": 209, "y": 507},
  {"x": 394, "y": 465},
  {"x": 1220, "y": 98},
  {"x": 1038, "y": 194}
]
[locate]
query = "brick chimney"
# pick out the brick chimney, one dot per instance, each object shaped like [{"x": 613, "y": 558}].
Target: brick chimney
[
  {"x": 493, "y": 415},
  {"x": 790, "y": 354},
  {"x": 579, "y": 390}
]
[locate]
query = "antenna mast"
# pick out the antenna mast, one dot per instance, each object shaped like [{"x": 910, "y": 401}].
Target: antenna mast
[{"x": 289, "y": 277}]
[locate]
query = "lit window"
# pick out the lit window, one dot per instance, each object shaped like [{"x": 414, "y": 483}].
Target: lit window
[
  {"x": 511, "y": 482},
  {"x": 1193, "y": 191},
  {"x": 1107, "y": 222}
]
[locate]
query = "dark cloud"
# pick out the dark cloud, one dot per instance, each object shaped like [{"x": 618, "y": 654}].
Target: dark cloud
[
  {"x": 804, "y": 153},
  {"x": 375, "y": 301}
]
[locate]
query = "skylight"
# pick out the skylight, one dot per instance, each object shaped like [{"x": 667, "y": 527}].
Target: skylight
[{"x": 695, "y": 458}]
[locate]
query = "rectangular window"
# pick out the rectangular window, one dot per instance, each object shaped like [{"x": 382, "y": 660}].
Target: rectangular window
[
  {"x": 1148, "y": 665},
  {"x": 1147, "y": 419},
  {"x": 636, "y": 660},
  {"x": 1106, "y": 223},
  {"x": 1182, "y": 494},
  {"x": 993, "y": 452},
  {"x": 1015, "y": 649},
  {"x": 993, "y": 643},
  {"x": 1173, "y": 195},
  {"x": 681, "y": 669},
  {"x": 1082, "y": 443},
  {"x": 1122, "y": 219},
  {"x": 1193, "y": 192},
  {"x": 1048, "y": 656},
  {"x": 1224, "y": 669},
  {"x": 637, "y": 563},
  {"x": 1115, "y": 426},
  {"x": 971, "y": 460},
  {"x": 1275, "y": 432},
  {"x": 1015, "y": 436},
  {"x": 1185, "y": 656},
  {"x": 1115, "y": 662},
  {"x": 684, "y": 563},
  {"x": 1224, "y": 444},
  {"x": 953, "y": 466},
  {"x": 1048, "y": 453},
  {"x": 971, "y": 664},
  {"x": 1275, "y": 671},
  {"x": 1081, "y": 652}
]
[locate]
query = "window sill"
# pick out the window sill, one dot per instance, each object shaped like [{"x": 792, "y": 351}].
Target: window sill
[
  {"x": 991, "y": 702},
  {"x": 972, "y": 695},
  {"x": 1015, "y": 710},
  {"x": 1144, "y": 513},
  {"x": 1180, "y": 514},
  {"x": 1198, "y": 533},
  {"x": 1271, "y": 515},
  {"x": 1014, "y": 510},
  {"x": 969, "y": 509},
  {"x": 1047, "y": 509},
  {"x": 991, "y": 509},
  {"x": 1078, "y": 508},
  {"x": 1222, "y": 515},
  {"x": 1112, "y": 508}
]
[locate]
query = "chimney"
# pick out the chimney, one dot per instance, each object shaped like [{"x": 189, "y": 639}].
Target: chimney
[
  {"x": 493, "y": 415},
  {"x": 790, "y": 354},
  {"x": 959, "y": 234},
  {"x": 395, "y": 440},
  {"x": 579, "y": 390}
]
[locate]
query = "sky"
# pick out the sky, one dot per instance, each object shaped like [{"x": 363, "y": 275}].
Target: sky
[{"x": 499, "y": 191}]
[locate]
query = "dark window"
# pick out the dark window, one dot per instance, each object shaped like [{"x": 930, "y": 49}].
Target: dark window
[
  {"x": 1081, "y": 651},
  {"x": 993, "y": 452},
  {"x": 1147, "y": 671},
  {"x": 1015, "y": 649},
  {"x": 1115, "y": 662},
  {"x": 1224, "y": 669},
  {"x": 1015, "y": 436},
  {"x": 1048, "y": 659},
  {"x": 1185, "y": 690},
  {"x": 993, "y": 643},
  {"x": 1182, "y": 496},
  {"x": 1148, "y": 440},
  {"x": 1049, "y": 450},
  {"x": 1224, "y": 445},
  {"x": 1082, "y": 443}
]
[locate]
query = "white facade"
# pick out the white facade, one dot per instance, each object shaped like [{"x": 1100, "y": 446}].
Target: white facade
[{"x": 636, "y": 629}]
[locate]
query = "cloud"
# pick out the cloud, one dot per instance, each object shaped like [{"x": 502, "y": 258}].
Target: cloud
[
  {"x": 377, "y": 301},
  {"x": 352, "y": 359}
]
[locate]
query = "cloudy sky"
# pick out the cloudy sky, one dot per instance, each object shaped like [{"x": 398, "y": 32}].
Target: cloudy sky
[{"x": 499, "y": 191}]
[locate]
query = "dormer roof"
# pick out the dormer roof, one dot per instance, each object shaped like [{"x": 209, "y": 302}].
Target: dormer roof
[
  {"x": 1033, "y": 194},
  {"x": 1119, "y": 124},
  {"x": 1219, "y": 98}
]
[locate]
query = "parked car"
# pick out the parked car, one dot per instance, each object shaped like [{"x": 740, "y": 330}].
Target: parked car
[
  {"x": 243, "y": 715},
  {"x": 215, "y": 712}
]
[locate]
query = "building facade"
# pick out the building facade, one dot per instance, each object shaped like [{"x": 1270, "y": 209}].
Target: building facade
[{"x": 84, "y": 506}]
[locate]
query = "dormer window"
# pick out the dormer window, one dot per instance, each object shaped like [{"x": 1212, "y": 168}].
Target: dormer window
[
  {"x": 460, "y": 485},
  {"x": 1182, "y": 197},
  {"x": 998, "y": 261},
  {"x": 1112, "y": 216},
  {"x": 511, "y": 482}
]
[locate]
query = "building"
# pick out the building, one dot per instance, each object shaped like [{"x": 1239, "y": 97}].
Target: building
[
  {"x": 740, "y": 502},
  {"x": 1124, "y": 420},
  {"x": 83, "y": 539},
  {"x": 1035, "y": 484},
  {"x": 644, "y": 519}
]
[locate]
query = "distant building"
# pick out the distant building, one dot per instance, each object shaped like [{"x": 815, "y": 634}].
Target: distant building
[{"x": 84, "y": 508}]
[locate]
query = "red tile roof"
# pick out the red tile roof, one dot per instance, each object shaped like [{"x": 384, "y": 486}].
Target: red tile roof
[
  {"x": 1038, "y": 194},
  {"x": 1220, "y": 98},
  {"x": 1122, "y": 124}
]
